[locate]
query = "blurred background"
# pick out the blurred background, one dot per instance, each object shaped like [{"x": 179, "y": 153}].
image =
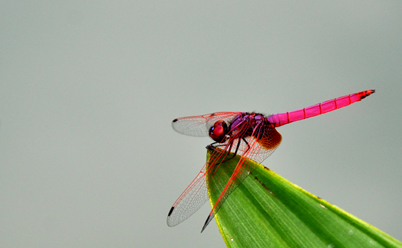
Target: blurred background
[{"x": 88, "y": 90}]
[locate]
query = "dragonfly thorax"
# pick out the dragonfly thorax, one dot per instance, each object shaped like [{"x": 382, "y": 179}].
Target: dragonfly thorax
[
  {"x": 243, "y": 125},
  {"x": 247, "y": 123}
]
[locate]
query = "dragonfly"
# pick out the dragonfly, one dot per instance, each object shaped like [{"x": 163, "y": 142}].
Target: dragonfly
[{"x": 249, "y": 134}]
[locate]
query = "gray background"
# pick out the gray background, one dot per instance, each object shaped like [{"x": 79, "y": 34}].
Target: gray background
[{"x": 88, "y": 90}]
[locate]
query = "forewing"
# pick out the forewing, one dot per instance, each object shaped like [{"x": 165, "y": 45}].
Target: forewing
[
  {"x": 192, "y": 199},
  {"x": 199, "y": 125}
]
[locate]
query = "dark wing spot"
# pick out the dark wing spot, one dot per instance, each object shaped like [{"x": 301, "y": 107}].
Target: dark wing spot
[
  {"x": 209, "y": 219},
  {"x": 175, "y": 120},
  {"x": 170, "y": 211}
]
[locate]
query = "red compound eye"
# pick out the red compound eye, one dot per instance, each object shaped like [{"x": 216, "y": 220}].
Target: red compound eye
[{"x": 218, "y": 131}]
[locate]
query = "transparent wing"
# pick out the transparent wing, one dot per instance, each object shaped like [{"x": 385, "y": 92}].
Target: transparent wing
[
  {"x": 255, "y": 149},
  {"x": 192, "y": 199},
  {"x": 196, "y": 194},
  {"x": 199, "y": 125}
]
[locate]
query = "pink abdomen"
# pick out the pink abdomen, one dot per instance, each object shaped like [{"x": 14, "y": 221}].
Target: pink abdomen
[{"x": 318, "y": 109}]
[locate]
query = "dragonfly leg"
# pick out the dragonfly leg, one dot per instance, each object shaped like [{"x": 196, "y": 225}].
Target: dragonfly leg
[
  {"x": 226, "y": 152},
  {"x": 248, "y": 146},
  {"x": 235, "y": 153}
]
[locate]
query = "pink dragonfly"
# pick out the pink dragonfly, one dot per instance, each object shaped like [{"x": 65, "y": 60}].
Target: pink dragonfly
[{"x": 251, "y": 135}]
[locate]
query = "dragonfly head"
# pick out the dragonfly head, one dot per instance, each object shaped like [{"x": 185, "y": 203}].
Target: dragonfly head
[{"x": 218, "y": 131}]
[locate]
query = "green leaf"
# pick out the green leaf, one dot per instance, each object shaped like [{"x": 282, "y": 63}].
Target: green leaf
[{"x": 266, "y": 210}]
